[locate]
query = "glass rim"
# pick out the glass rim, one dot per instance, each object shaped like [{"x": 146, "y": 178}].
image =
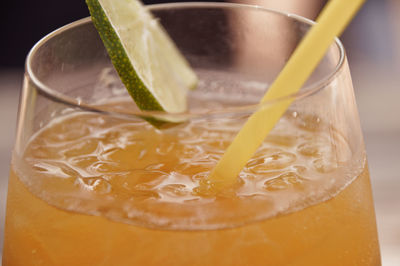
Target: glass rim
[{"x": 306, "y": 91}]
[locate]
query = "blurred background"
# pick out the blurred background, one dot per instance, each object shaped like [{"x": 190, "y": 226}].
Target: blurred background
[{"x": 372, "y": 42}]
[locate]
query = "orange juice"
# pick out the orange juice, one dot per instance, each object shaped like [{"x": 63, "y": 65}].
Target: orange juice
[{"x": 92, "y": 189}]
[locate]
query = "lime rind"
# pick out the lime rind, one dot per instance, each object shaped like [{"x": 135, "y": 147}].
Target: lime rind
[{"x": 150, "y": 66}]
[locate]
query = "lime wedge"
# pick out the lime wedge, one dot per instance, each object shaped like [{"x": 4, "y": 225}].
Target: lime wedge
[{"x": 149, "y": 64}]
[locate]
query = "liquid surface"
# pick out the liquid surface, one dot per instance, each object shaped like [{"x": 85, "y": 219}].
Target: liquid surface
[
  {"x": 304, "y": 199},
  {"x": 339, "y": 231},
  {"x": 131, "y": 172}
]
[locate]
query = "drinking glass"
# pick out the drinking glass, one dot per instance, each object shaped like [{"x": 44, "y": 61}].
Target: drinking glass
[{"x": 92, "y": 183}]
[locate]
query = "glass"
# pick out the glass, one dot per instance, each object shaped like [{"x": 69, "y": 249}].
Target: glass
[{"x": 93, "y": 184}]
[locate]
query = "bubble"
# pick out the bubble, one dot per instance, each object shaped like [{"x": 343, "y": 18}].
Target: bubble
[
  {"x": 217, "y": 146},
  {"x": 271, "y": 160},
  {"x": 70, "y": 131},
  {"x": 165, "y": 148},
  {"x": 44, "y": 150},
  {"x": 139, "y": 180},
  {"x": 127, "y": 158},
  {"x": 325, "y": 165},
  {"x": 142, "y": 194},
  {"x": 39, "y": 168},
  {"x": 105, "y": 167},
  {"x": 206, "y": 189},
  {"x": 111, "y": 135},
  {"x": 96, "y": 184},
  {"x": 282, "y": 140},
  {"x": 175, "y": 190},
  {"x": 312, "y": 149},
  {"x": 255, "y": 162},
  {"x": 83, "y": 162},
  {"x": 284, "y": 181},
  {"x": 79, "y": 148},
  {"x": 301, "y": 170},
  {"x": 96, "y": 121},
  {"x": 198, "y": 174},
  {"x": 192, "y": 151},
  {"x": 156, "y": 166},
  {"x": 308, "y": 122},
  {"x": 55, "y": 169}
]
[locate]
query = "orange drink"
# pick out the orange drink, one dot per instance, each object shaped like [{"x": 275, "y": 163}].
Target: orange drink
[
  {"x": 107, "y": 203},
  {"x": 92, "y": 183}
]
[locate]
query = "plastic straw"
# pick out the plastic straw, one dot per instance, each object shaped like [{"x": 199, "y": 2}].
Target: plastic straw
[{"x": 331, "y": 23}]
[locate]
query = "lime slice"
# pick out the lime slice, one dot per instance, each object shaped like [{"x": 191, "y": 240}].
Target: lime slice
[{"x": 149, "y": 64}]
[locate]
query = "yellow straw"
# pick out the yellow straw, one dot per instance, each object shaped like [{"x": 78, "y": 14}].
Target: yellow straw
[{"x": 330, "y": 23}]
